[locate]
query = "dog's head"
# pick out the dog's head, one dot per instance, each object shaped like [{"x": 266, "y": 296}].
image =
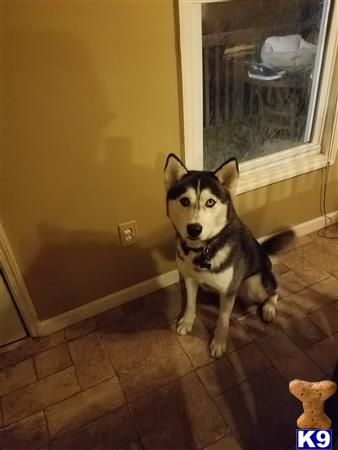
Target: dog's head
[{"x": 198, "y": 201}]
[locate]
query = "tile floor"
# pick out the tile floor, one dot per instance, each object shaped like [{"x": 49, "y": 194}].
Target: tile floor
[{"x": 125, "y": 380}]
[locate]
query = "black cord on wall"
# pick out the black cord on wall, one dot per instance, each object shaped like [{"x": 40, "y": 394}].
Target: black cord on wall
[{"x": 323, "y": 195}]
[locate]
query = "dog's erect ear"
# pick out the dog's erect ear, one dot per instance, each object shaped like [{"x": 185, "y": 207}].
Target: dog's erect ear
[
  {"x": 228, "y": 174},
  {"x": 174, "y": 170}
]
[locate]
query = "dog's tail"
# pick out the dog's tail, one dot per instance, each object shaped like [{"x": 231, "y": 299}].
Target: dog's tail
[{"x": 276, "y": 243}]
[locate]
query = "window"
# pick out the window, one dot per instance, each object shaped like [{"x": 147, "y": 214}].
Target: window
[{"x": 256, "y": 83}]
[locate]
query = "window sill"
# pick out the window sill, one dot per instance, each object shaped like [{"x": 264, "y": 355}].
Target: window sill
[{"x": 274, "y": 172}]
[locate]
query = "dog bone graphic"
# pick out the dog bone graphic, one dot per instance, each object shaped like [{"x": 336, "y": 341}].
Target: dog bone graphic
[{"x": 313, "y": 396}]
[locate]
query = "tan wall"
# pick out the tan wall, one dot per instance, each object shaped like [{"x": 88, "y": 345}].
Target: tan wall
[{"x": 91, "y": 108}]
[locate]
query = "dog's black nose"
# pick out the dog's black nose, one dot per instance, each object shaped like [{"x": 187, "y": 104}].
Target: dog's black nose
[{"x": 194, "y": 229}]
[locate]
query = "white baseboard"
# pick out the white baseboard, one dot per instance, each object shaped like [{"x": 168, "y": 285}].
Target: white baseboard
[
  {"x": 146, "y": 287},
  {"x": 311, "y": 225}
]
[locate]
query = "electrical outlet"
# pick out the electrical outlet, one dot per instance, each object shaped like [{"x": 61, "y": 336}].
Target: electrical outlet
[{"x": 128, "y": 233}]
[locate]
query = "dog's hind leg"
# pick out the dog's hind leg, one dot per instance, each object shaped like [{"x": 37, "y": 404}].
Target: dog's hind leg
[
  {"x": 186, "y": 322},
  {"x": 261, "y": 288},
  {"x": 269, "y": 308},
  {"x": 219, "y": 343}
]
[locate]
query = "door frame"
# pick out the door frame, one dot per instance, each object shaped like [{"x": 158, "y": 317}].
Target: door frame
[{"x": 17, "y": 287}]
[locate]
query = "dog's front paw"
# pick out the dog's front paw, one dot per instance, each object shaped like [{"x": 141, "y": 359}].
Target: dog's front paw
[
  {"x": 184, "y": 326},
  {"x": 217, "y": 348}
]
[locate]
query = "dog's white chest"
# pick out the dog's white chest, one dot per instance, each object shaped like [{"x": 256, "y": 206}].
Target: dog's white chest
[{"x": 216, "y": 281}]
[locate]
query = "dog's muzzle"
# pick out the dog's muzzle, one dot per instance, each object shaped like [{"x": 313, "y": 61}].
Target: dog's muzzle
[{"x": 194, "y": 229}]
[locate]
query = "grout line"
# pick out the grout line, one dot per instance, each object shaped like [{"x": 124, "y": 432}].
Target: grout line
[
  {"x": 230, "y": 433},
  {"x": 83, "y": 426},
  {"x": 63, "y": 344},
  {"x": 74, "y": 367},
  {"x": 48, "y": 430},
  {"x": 66, "y": 398},
  {"x": 31, "y": 351},
  {"x": 244, "y": 381},
  {"x": 137, "y": 428},
  {"x": 299, "y": 350},
  {"x": 2, "y": 425},
  {"x": 68, "y": 339},
  {"x": 35, "y": 412},
  {"x": 35, "y": 367},
  {"x": 22, "y": 387}
]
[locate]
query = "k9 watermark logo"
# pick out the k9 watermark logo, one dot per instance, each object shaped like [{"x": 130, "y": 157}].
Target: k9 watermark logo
[{"x": 313, "y": 439}]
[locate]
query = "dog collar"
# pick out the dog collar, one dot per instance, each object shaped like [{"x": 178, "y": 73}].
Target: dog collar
[
  {"x": 203, "y": 259},
  {"x": 186, "y": 249}
]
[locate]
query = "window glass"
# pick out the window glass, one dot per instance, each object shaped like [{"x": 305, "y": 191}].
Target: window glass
[{"x": 261, "y": 66}]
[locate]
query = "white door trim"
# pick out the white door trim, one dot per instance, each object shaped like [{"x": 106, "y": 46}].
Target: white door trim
[{"x": 17, "y": 285}]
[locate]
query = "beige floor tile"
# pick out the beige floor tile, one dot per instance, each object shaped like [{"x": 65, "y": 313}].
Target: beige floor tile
[
  {"x": 81, "y": 328},
  {"x": 196, "y": 344},
  {"x": 309, "y": 272},
  {"x": 142, "y": 305},
  {"x": 228, "y": 442},
  {"x": 182, "y": 416},
  {"x": 330, "y": 231},
  {"x": 237, "y": 336},
  {"x": 325, "y": 256},
  {"x": 325, "y": 354},
  {"x": 39, "y": 395},
  {"x": 16, "y": 377},
  {"x": 91, "y": 361},
  {"x": 109, "y": 316},
  {"x": 84, "y": 407},
  {"x": 144, "y": 352},
  {"x": 326, "y": 318},
  {"x": 219, "y": 376},
  {"x": 279, "y": 268},
  {"x": 316, "y": 296},
  {"x": 28, "y": 434},
  {"x": 248, "y": 361},
  {"x": 52, "y": 361},
  {"x": 255, "y": 327},
  {"x": 171, "y": 304},
  {"x": 133, "y": 446},
  {"x": 26, "y": 348},
  {"x": 112, "y": 431},
  {"x": 288, "y": 310},
  {"x": 261, "y": 412},
  {"x": 152, "y": 364},
  {"x": 298, "y": 242},
  {"x": 303, "y": 332},
  {"x": 287, "y": 358},
  {"x": 289, "y": 283}
]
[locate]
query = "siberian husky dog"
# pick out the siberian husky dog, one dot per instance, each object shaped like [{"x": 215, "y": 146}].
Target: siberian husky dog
[{"x": 214, "y": 249}]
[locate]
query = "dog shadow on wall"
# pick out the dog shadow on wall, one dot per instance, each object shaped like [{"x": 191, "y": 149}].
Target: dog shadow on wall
[{"x": 73, "y": 176}]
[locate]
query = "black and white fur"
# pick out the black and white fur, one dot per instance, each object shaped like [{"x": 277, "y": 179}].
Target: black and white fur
[{"x": 214, "y": 249}]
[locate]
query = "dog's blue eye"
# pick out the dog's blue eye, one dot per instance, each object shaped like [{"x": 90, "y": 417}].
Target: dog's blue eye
[
  {"x": 185, "y": 201},
  {"x": 210, "y": 203}
]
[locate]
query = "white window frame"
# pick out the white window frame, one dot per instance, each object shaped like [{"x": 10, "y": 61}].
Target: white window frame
[{"x": 268, "y": 169}]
